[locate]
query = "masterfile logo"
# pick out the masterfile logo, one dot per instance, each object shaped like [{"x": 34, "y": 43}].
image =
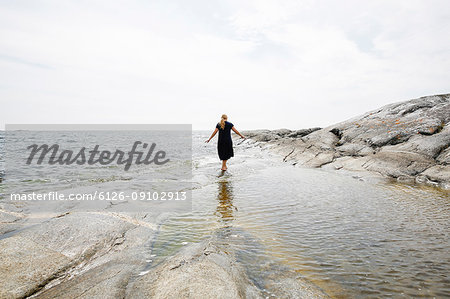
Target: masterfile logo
[{"x": 94, "y": 156}]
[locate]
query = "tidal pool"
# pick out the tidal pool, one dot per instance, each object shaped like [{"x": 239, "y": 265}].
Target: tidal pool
[{"x": 350, "y": 237}]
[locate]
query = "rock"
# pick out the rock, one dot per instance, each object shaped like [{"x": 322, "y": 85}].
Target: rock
[
  {"x": 26, "y": 266},
  {"x": 199, "y": 271},
  {"x": 399, "y": 140},
  {"x": 438, "y": 173},
  {"x": 205, "y": 270},
  {"x": 281, "y": 132},
  {"x": 261, "y": 135},
  {"x": 353, "y": 165},
  {"x": 396, "y": 123},
  {"x": 320, "y": 159},
  {"x": 396, "y": 164},
  {"x": 78, "y": 235},
  {"x": 444, "y": 157},
  {"x": 254, "y": 133},
  {"x": 421, "y": 179},
  {"x": 430, "y": 146},
  {"x": 266, "y": 137},
  {"x": 321, "y": 139},
  {"x": 313, "y": 150},
  {"x": 97, "y": 248},
  {"x": 288, "y": 287},
  {"x": 405, "y": 179},
  {"x": 105, "y": 275},
  {"x": 10, "y": 218},
  {"x": 302, "y": 132},
  {"x": 350, "y": 149}
]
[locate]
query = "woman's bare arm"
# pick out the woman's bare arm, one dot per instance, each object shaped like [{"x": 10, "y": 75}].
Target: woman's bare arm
[
  {"x": 236, "y": 131},
  {"x": 212, "y": 135}
]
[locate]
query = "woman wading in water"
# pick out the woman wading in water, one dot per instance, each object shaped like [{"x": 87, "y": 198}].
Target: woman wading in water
[{"x": 225, "y": 144}]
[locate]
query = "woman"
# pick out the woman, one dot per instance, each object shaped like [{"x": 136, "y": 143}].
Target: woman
[{"x": 225, "y": 144}]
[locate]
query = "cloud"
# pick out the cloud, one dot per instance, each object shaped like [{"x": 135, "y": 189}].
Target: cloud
[
  {"x": 25, "y": 62},
  {"x": 267, "y": 64}
]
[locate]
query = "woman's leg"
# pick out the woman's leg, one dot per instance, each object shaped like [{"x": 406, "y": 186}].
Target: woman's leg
[{"x": 224, "y": 164}]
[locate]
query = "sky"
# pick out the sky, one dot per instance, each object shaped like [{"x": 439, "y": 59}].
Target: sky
[{"x": 266, "y": 64}]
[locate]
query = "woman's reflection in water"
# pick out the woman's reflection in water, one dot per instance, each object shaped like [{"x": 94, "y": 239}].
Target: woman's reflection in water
[{"x": 225, "y": 206}]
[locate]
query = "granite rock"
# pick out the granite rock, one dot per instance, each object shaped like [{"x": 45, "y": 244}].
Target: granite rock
[{"x": 400, "y": 140}]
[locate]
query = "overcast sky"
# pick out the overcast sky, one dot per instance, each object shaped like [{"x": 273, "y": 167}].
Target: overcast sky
[{"x": 267, "y": 64}]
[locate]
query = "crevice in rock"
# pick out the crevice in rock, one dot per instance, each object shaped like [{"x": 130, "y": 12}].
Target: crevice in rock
[
  {"x": 62, "y": 215},
  {"x": 334, "y": 159},
  {"x": 82, "y": 261},
  {"x": 47, "y": 281},
  {"x": 393, "y": 140},
  {"x": 440, "y": 128},
  {"x": 181, "y": 263},
  {"x": 284, "y": 159},
  {"x": 337, "y": 132},
  {"x": 399, "y": 138},
  {"x": 439, "y": 152}
]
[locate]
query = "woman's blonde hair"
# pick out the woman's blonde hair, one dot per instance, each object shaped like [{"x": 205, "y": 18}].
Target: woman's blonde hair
[{"x": 222, "y": 121}]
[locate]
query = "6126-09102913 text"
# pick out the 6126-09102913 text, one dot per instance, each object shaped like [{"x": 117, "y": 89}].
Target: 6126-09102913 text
[{"x": 102, "y": 195}]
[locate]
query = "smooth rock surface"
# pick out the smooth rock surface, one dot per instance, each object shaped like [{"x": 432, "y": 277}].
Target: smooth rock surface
[
  {"x": 26, "y": 265},
  {"x": 199, "y": 271},
  {"x": 205, "y": 271},
  {"x": 73, "y": 255}
]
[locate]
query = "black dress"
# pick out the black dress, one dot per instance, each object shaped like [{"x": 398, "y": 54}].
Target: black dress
[{"x": 225, "y": 144}]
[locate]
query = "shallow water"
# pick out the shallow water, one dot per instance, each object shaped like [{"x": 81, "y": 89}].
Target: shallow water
[{"x": 350, "y": 237}]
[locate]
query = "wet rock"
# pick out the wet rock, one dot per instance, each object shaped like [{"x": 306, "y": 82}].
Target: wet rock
[
  {"x": 406, "y": 179},
  {"x": 396, "y": 164},
  {"x": 438, "y": 173},
  {"x": 349, "y": 163},
  {"x": 10, "y": 218},
  {"x": 206, "y": 271},
  {"x": 287, "y": 287},
  {"x": 421, "y": 179},
  {"x": 199, "y": 271}
]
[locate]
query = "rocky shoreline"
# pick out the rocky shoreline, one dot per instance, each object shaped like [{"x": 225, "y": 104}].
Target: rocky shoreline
[
  {"x": 103, "y": 255},
  {"x": 106, "y": 254},
  {"x": 408, "y": 141}
]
